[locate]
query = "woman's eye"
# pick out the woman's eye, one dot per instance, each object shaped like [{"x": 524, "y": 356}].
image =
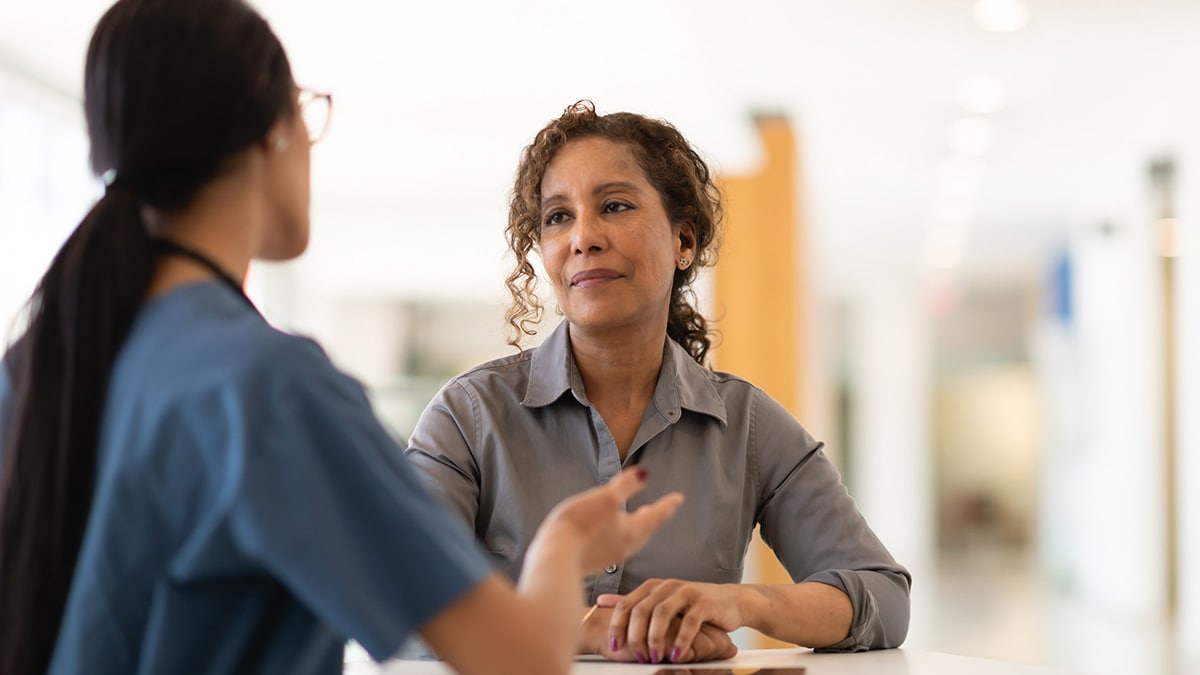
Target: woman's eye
[
  {"x": 555, "y": 218},
  {"x": 616, "y": 207}
]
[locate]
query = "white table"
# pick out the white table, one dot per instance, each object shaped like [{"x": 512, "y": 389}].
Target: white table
[{"x": 884, "y": 662}]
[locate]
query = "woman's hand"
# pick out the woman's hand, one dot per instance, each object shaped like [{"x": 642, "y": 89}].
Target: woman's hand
[
  {"x": 710, "y": 644},
  {"x": 662, "y": 618},
  {"x": 595, "y": 524}
]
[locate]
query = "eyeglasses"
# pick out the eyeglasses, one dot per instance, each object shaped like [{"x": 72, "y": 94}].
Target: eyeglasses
[{"x": 316, "y": 108}]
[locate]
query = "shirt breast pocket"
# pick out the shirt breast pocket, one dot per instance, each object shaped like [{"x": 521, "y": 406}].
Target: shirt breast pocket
[{"x": 704, "y": 543}]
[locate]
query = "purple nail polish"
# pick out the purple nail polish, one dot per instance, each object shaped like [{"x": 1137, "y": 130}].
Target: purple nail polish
[
  {"x": 612, "y": 643},
  {"x": 653, "y": 656},
  {"x": 674, "y": 655},
  {"x": 639, "y": 657}
]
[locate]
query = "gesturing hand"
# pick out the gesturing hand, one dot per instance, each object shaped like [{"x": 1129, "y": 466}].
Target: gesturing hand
[
  {"x": 598, "y": 519},
  {"x": 643, "y": 620}
]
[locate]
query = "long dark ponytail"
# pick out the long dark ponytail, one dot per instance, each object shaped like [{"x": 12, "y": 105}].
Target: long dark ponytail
[{"x": 172, "y": 91}]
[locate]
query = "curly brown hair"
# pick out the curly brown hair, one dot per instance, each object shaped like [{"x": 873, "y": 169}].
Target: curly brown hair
[{"x": 684, "y": 183}]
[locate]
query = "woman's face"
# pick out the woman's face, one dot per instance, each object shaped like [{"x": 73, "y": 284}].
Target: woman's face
[{"x": 607, "y": 245}]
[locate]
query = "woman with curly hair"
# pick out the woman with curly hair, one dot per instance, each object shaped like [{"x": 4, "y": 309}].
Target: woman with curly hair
[{"x": 622, "y": 212}]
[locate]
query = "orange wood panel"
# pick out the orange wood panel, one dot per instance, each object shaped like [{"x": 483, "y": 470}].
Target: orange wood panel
[{"x": 759, "y": 292}]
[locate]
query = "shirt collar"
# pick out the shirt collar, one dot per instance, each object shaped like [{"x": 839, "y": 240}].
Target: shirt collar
[
  {"x": 552, "y": 371},
  {"x": 683, "y": 384}
]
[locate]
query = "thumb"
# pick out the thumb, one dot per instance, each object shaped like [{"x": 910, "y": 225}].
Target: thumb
[{"x": 628, "y": 483}]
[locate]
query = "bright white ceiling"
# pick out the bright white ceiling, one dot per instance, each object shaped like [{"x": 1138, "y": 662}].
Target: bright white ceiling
[{"x": 434, "y": 101}]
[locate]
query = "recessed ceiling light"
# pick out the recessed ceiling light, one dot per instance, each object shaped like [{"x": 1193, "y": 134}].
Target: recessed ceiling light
[{"x": 1000, "y": 16}]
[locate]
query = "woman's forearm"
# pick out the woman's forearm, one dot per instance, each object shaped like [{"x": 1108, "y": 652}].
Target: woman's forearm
[
  {"x": 495, "y": 630},
  {"x": 550, "y": 583},
  {"x": 810, "y": 614},
  {"x": 533, "y": 629}
]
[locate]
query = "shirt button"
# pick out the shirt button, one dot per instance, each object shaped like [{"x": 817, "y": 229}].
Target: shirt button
[{"x": 611, "y": 569}]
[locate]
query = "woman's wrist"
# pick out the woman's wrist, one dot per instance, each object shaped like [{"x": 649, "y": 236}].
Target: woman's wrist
[
  {"x": 564, "y": 539},
  {"x": 556, "y": 549},
  {"x": 809, "y": 614},
  {"x": 756, "y": 606}
]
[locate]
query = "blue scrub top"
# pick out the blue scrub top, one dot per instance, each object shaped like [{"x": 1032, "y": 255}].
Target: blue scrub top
[{"x": 250, "y": 513}]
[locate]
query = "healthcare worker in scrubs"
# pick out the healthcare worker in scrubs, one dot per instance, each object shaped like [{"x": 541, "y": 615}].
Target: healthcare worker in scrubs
[{"x": 184, "y": 488}]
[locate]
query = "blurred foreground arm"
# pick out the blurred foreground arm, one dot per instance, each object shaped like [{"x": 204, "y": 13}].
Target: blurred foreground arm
[{"x": 535, "y": 628}]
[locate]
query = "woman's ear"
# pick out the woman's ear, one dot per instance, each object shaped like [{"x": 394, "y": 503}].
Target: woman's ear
[
  {"x": 687, "y": 239},
  {"x": 279, "y": 136}
]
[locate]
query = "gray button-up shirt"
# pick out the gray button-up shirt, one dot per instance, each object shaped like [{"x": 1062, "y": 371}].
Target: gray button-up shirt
[{"x": 506, "y": 441}]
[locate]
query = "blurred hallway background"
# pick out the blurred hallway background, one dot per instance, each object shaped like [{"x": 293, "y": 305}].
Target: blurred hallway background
[{"x": 993, "y": 271}]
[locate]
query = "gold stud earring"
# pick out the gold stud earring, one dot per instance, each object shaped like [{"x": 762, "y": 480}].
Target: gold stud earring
[{"x": 683, "y": 263}]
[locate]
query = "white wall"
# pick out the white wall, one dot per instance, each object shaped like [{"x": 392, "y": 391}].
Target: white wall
[
  {"x": 888, "y": 349},
  {"x": 45, "y": 187},
  {"x": 1116, "y": 471}
]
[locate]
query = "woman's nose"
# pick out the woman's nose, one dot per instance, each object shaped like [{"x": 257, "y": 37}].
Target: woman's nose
[{"x": 588, "y": 233}]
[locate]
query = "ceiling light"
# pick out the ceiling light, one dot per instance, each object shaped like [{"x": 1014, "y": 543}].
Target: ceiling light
[{"x": 1000, "y": 16}]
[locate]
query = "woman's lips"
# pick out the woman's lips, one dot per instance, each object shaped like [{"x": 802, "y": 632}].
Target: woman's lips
[{"x": 588, "y": 278}]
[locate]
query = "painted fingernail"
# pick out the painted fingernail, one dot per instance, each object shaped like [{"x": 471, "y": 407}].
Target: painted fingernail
[
  {"x": 674, "y": 655},
  {"x": 612, "y": 643},
  {"x": 639, "y": 657},
  {"x": 642, "y": 474},
  {"x": 653, "y": 656}
]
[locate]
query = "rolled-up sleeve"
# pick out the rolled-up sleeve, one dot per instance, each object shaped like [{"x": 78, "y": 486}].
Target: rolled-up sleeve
[{"x": 812, "y": 523}]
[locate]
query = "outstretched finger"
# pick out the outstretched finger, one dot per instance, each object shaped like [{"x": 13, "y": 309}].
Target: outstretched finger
[
  {"x": 649, "y": 517},
  {"x": 628, "y": 483}
]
